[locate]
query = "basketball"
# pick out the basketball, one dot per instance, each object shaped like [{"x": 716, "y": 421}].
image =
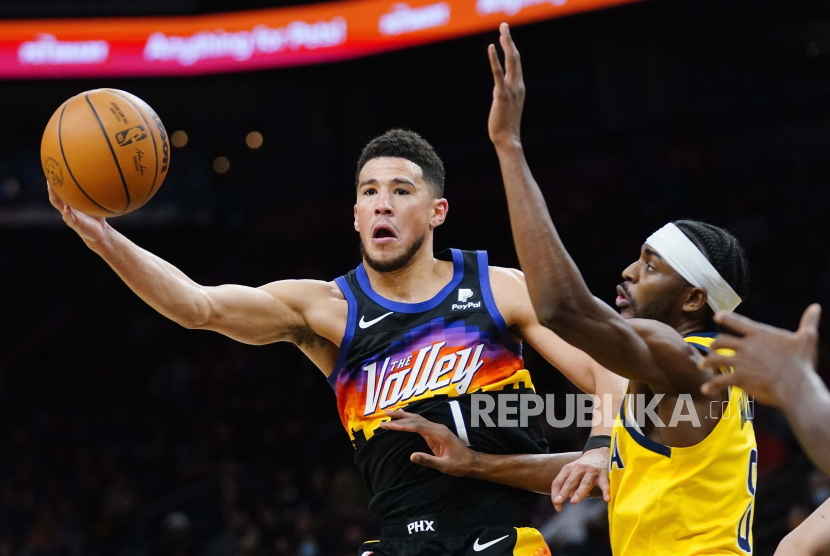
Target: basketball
[{"x": 105, "y": 152}]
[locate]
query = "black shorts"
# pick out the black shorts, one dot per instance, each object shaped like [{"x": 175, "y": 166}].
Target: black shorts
[{"x": 459, "y": 534}]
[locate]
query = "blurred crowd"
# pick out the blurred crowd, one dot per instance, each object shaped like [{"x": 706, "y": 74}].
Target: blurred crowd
[{"x": 214, "y": 457}]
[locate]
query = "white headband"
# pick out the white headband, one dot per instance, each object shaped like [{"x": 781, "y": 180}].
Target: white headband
[{"x": 684, "y": 256}]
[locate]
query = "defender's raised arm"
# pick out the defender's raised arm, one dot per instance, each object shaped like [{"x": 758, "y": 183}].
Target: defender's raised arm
[{"x": 559, "y": 294}]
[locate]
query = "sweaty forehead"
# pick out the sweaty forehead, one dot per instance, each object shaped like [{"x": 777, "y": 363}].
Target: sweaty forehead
[{"x": 387, "y": 168}]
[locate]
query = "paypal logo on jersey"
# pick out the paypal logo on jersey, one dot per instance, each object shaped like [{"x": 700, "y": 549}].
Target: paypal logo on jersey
[{"x": 463, "y": 295}]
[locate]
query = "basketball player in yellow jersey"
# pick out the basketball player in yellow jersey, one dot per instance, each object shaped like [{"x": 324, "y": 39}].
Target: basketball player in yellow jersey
[
  {"x": 687, "y": 488},
  {"x": 778, "y": 367}
]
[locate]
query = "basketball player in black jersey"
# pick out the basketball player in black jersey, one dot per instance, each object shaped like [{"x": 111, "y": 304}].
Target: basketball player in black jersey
[{"x": 406, "y": 329}]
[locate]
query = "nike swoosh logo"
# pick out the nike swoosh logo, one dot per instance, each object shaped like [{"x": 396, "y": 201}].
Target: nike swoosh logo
[
  {"x": 479, "y": 547},
  {"x": 364, "y": 324}
]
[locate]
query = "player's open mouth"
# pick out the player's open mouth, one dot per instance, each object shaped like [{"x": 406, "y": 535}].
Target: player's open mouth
[
  {"x": 622, "y": 298},
  {"x": 383, "y": 233}
]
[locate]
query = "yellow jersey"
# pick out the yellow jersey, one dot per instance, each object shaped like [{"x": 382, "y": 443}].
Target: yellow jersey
[{"x": 685, "y": 501}]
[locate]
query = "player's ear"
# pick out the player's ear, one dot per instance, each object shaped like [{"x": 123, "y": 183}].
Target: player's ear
[
  {"x": 356, "y": 227},
  {"x": 696, "y": 300},
  {"x": 440, "y": 207}
]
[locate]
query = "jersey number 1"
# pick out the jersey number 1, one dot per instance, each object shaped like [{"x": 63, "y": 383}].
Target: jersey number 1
[{"x": 458, "y": 419}]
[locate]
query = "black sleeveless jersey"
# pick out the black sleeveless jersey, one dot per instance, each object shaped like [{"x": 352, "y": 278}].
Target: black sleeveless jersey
[{"x": 428, "y": 358}]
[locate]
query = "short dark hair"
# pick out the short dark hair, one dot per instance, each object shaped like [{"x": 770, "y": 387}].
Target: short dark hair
[
  {"x": 402, "y": 143},
  {"x": 723, "y": 250}
]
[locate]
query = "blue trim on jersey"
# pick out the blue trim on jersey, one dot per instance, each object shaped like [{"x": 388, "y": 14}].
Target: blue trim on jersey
[
  {"x": 703, "y": 349},
  {"x": 457, "y": 276},
  {"x": 348, "y": 336},
  {"x": 490, "y": 303},
  {"x": 703, "y": 334},
  {"x": 643, "y": 440}
]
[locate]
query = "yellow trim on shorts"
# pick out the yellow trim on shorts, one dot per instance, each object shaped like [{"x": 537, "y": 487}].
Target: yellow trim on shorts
[{"x": 530, "y": 542}]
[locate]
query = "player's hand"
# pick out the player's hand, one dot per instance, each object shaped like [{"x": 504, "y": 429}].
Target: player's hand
[
  {"x": 767, "y": 360},
  {"x": 577, "y": 479},
  {"x": 508, "y": 93},
  {"x": 91, "y": 229},
  {"x": 451, "y": 456}
]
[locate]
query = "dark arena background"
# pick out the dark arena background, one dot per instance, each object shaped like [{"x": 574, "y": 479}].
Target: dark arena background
[{"x": 123, "y": 434}]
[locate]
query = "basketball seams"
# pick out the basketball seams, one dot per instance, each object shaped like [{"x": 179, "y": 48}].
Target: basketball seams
[
  {"x": 114, "y": 157},
  {"x": 66, "y": 163},
  {"x": 152, "y": 136},
  {"x": 82, "y": 143}
]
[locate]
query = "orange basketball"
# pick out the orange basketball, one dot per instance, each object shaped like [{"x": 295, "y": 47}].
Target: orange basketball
[{"x": 105, "y": 152}]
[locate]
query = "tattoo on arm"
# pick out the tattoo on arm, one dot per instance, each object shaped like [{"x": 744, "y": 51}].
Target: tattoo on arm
[{"x": 302, "y": 336}]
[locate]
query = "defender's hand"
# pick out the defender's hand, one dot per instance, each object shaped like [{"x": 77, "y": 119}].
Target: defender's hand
[
  {"x": 91, "y": 229},
  {"x": 768, "y": 360},
  {"x": 508, "y": 93},
  {"x": 577, "y": 479},
  {"x": 451, "y": 455}
]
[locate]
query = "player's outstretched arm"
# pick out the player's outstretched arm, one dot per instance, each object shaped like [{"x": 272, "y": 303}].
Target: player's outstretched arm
[
  {"x": 778, "y": 367},
  {"x": 811, "y": 538},
  {"x": 557, "y": 290},
  {"x": 533, "y": 472},
  {"x": 277, "y": 311}
]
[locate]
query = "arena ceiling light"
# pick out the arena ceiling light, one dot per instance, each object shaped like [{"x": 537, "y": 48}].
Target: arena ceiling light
[{"x": 254, "y": 140}]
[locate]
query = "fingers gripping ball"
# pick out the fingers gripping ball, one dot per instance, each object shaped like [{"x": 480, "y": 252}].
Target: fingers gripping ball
[{"x": 105, "y": 152}]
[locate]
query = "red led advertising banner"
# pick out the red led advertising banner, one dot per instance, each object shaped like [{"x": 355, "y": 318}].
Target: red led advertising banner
[{"x": 240, "y": 41}]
